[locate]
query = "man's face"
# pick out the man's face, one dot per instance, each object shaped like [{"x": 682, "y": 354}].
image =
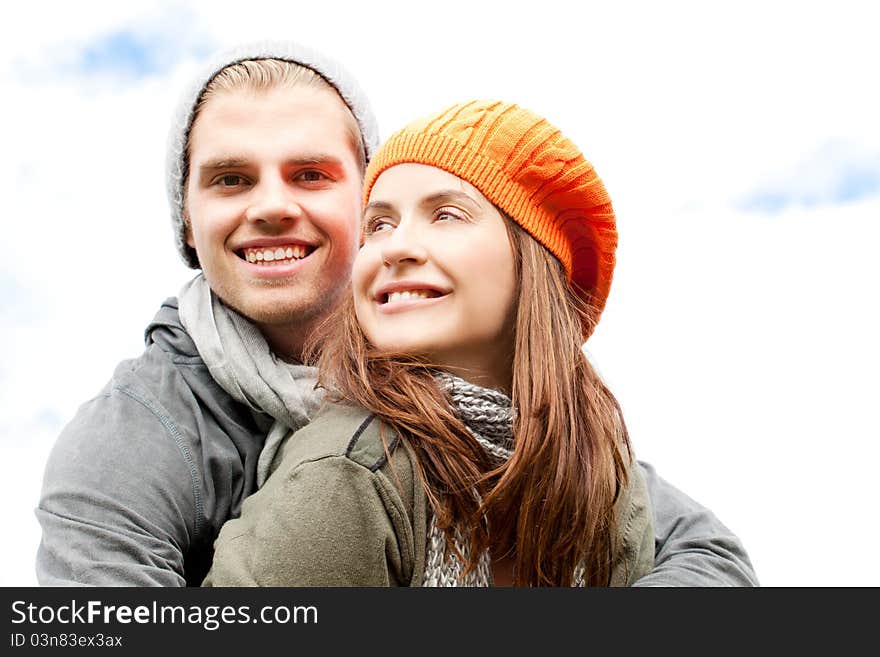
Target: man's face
[{"x": 273, "y": 202}]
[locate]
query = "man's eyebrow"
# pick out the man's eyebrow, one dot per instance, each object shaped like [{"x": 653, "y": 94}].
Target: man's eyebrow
[
  {"x": 234, "y": 162},
  {"x": 313, "y": 158},
  {"x": 223, "y": 163}
]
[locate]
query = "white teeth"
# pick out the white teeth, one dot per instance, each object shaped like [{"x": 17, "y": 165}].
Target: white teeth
[
  {"x": 407, "y": 294},
  {"x": 278, "y": 255}
]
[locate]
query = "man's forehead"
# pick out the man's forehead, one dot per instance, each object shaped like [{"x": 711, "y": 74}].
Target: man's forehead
[
  {"x": 276, "y": 106},
  {"x": 306, "y": 127}
]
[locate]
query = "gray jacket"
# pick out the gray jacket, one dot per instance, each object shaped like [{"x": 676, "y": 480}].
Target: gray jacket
[{"x": 139, "y": 483}]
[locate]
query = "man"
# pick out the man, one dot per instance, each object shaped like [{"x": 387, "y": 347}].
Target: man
[{"x": 264, "y": 178}]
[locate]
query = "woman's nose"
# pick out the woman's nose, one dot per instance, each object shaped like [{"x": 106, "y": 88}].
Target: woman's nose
[{"x": 404, "y": 244}]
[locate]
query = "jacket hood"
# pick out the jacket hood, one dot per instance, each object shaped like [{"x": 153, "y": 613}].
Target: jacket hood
[{"x": 167, "y": 331}]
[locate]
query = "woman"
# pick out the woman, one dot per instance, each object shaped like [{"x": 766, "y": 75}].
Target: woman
[{"x": 467, "y": 440}]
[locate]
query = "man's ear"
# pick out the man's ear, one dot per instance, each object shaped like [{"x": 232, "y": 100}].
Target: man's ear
[{"x": 188, "y": 233}]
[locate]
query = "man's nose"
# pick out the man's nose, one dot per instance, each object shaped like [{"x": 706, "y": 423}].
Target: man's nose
[
  {"x": 404, "y": 245},
  {"x": 273, "y": 201}
]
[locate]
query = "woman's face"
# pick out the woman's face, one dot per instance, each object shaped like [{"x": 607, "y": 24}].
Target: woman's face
[{"x": 435, "y": 276}]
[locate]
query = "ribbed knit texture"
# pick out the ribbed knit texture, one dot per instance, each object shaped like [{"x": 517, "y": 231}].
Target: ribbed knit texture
[
  {"x": 287, "y": 51},
  {"x": 489, "y": 416},
  {"x": 529, "y": 169}
]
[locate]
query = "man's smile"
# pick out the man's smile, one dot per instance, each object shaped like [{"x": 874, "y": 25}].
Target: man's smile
[{"x": 275, "y": 255}]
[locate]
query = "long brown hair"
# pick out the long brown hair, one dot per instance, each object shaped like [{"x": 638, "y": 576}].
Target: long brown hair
[{"x": 550, "y": 506}]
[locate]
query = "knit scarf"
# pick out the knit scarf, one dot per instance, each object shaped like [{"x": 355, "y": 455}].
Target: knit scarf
[
  {"x": 241, "y": 361},
  {"x": 488, "y": 415}
]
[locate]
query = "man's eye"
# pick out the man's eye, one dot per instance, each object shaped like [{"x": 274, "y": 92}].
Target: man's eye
[
  {"x": 312, "y": 176},
  {"x": 229, "y": 180}
]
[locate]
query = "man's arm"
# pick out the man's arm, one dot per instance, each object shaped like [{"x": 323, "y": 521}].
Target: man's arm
[
  {"x": 693, "y": 548},
  {"x": 118, "y": 504}
]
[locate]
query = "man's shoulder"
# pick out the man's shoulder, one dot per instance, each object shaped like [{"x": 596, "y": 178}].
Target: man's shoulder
[
  {"x": 155, "y": 426},
  {"x": 167, "y": 333},
  {"x": 168, "y": 370},
  {"x": 168, "y": 384}
]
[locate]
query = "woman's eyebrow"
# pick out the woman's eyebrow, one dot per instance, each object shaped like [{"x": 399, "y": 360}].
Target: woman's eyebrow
[
  {"x": 450, "y": 195},
  {"x": 384, "y": 206},
  {"x": 442, "y": 196}
]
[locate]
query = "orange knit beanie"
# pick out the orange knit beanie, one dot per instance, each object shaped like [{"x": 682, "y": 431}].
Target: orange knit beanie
[{"x": 528, "y": 169}]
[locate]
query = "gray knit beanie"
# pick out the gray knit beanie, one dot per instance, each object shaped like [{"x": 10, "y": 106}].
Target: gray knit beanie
[{"x": 181, "y": 124}]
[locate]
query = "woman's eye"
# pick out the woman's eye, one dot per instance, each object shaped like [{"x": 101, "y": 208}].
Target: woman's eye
[
  {"x": 377, "y": 225},
  {"x": 446, "y": 215},
  {"x": 312, "y": 176}
]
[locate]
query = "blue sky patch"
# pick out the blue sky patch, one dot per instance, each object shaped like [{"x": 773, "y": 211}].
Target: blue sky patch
[
  {"x": 125, "y": 53},
  {"x": 835, "y": 174},
  {"x": 858, "y": 184},
  {"x": 140, "y": 48},
  {"x": 136, "y": 54}
]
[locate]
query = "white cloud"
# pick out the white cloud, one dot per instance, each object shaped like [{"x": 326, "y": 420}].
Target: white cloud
[{"x": 740, "y": 345}]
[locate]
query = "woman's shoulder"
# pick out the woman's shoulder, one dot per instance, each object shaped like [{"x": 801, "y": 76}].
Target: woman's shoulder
[
  {"x": 635, "y": 525},
  {"x": 340, "y": 429}
]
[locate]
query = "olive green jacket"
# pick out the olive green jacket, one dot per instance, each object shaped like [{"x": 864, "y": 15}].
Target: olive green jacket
[{"x": 337, "y": 512}]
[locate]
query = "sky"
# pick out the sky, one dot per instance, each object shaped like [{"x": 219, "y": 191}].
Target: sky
[{"x": 740, "y": 147}]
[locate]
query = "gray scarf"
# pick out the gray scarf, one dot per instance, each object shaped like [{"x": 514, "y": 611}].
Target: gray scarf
[
  {"x": 240, "y": 360},
  {"x": 489, "y": 416}
]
